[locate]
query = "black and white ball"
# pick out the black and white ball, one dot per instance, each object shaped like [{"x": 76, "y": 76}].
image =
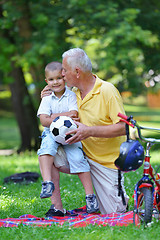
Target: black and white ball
[{"x": 60, "y": 126}]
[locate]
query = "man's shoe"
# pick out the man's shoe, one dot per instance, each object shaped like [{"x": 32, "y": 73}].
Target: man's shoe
[
  {"x": 53, "y": 212},
  {"x": 47, "y": 189},
  {"x": 91, "y": 203}
]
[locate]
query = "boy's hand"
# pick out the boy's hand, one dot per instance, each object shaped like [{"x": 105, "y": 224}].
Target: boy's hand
[
  {"x": 74, "y": 116},
  {"x": 71, "y": 114}
]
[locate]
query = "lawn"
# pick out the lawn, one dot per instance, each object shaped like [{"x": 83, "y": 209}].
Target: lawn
[{"x": 19, "y": 199}]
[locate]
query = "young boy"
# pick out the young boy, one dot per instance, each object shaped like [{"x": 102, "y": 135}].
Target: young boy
[{"x": 62, "y": 102}]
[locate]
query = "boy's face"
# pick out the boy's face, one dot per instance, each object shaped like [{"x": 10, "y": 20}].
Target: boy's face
[{"x": 55, "y": 81}]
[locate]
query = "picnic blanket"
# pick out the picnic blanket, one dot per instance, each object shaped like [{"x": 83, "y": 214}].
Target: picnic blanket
[{"x": 76, "y": 218}]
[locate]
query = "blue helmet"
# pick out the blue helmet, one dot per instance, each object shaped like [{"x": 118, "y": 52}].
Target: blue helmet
[{"x": 131, "y": 156}]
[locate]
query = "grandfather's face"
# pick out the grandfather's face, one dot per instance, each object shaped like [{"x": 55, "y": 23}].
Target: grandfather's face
[{"x": 68, "y": 74}]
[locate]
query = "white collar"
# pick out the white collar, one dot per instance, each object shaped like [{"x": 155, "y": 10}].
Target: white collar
[{"x": 65, "y": 94}]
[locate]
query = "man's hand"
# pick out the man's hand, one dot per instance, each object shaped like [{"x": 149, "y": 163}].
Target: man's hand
[
  {"x": 80, "y": 133},
  {"x": 108, "y": 131},
  {"x": 46, "y": 91}
]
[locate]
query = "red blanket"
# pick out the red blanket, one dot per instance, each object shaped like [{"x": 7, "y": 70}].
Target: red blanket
[{"x": 75, "y": 218}]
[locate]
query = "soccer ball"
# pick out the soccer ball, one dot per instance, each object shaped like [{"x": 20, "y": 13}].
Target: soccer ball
[{"x": 60, "y": 126}]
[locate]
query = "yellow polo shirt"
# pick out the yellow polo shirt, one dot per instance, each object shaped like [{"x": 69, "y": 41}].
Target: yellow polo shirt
[{"x": 100, "y": 107}]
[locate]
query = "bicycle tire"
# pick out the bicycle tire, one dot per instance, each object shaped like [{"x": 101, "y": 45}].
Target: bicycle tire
[{"x": 143, "y": 211}]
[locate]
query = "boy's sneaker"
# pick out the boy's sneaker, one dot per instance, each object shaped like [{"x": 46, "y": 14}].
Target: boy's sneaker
[
  {"x": 53, "y": 212},
  {"x": 47, "y": 189},
  {"x": 91, "y": 203}
]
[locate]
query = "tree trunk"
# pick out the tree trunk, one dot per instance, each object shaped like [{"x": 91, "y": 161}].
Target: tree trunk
[
  {"x": 25, "y": 33},
  {"x": 24, "y": 111},
  {"x": 22, "y": 104}
]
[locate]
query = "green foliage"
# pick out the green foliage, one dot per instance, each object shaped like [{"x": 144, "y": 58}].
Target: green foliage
[
  {"x": 111, "y": 34},
  {"x": 119, "y": 36},
  {"x": 31, "y": 33}
]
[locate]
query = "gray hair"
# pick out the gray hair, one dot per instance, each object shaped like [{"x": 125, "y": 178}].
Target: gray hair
[{"x": 76, "y": 57}]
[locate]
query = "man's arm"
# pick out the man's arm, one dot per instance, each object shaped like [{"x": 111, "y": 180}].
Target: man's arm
[
  {"x": 46, "y": 91},
  {"x": 46, "y": 120},
  {"x": 109, "y": 131}
]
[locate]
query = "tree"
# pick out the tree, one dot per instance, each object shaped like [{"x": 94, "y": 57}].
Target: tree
[
  {"x": 14, "y": 47},
  {"x": 24, "y": 111},
  {"x": 119, "y": 36},
  {"x": 114, "y": 35},
  {"x": 22, "y": 103},
  {"x": 28, "y": 42}
]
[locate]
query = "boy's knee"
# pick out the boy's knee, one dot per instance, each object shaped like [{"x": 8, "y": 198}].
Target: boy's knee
[{"x": 64, "y": 169}]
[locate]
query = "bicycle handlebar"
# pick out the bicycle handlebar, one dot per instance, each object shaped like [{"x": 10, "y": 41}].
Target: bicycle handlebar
[
  {"x": 130, "y": 121},
  {"x": 122, "y": 116}
]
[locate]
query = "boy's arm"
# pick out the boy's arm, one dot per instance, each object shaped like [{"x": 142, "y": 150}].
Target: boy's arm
[
  {"x": 46, "y": 120},
  {"x": 72, "y": 114}
]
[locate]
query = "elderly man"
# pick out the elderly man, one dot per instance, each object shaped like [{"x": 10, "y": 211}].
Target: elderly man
[{"x": 99, "y": 129}]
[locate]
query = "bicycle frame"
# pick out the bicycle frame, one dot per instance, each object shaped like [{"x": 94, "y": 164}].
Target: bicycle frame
[{"x": 144, "y": 189}]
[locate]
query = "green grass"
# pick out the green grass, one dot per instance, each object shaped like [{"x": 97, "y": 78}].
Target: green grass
[
  {"x": 9, "y": 132},
  {"x": 9, "y": 137},
  {"x": 143, "y": 114},
  {"x": 16, "y": 195},
  {"x": 19, "y": 199}
]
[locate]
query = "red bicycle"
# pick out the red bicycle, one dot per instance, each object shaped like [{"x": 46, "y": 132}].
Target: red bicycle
[{"x": 147, "y": 189}]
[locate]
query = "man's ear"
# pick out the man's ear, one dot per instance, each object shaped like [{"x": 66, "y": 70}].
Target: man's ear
[{"x": 78, "y": 72}]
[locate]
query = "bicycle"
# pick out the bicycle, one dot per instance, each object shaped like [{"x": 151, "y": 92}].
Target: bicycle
[{"x": 147, "y": 189}]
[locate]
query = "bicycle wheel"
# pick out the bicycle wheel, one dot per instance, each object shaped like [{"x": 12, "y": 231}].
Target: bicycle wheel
[{"x": 143, "y": 211}]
